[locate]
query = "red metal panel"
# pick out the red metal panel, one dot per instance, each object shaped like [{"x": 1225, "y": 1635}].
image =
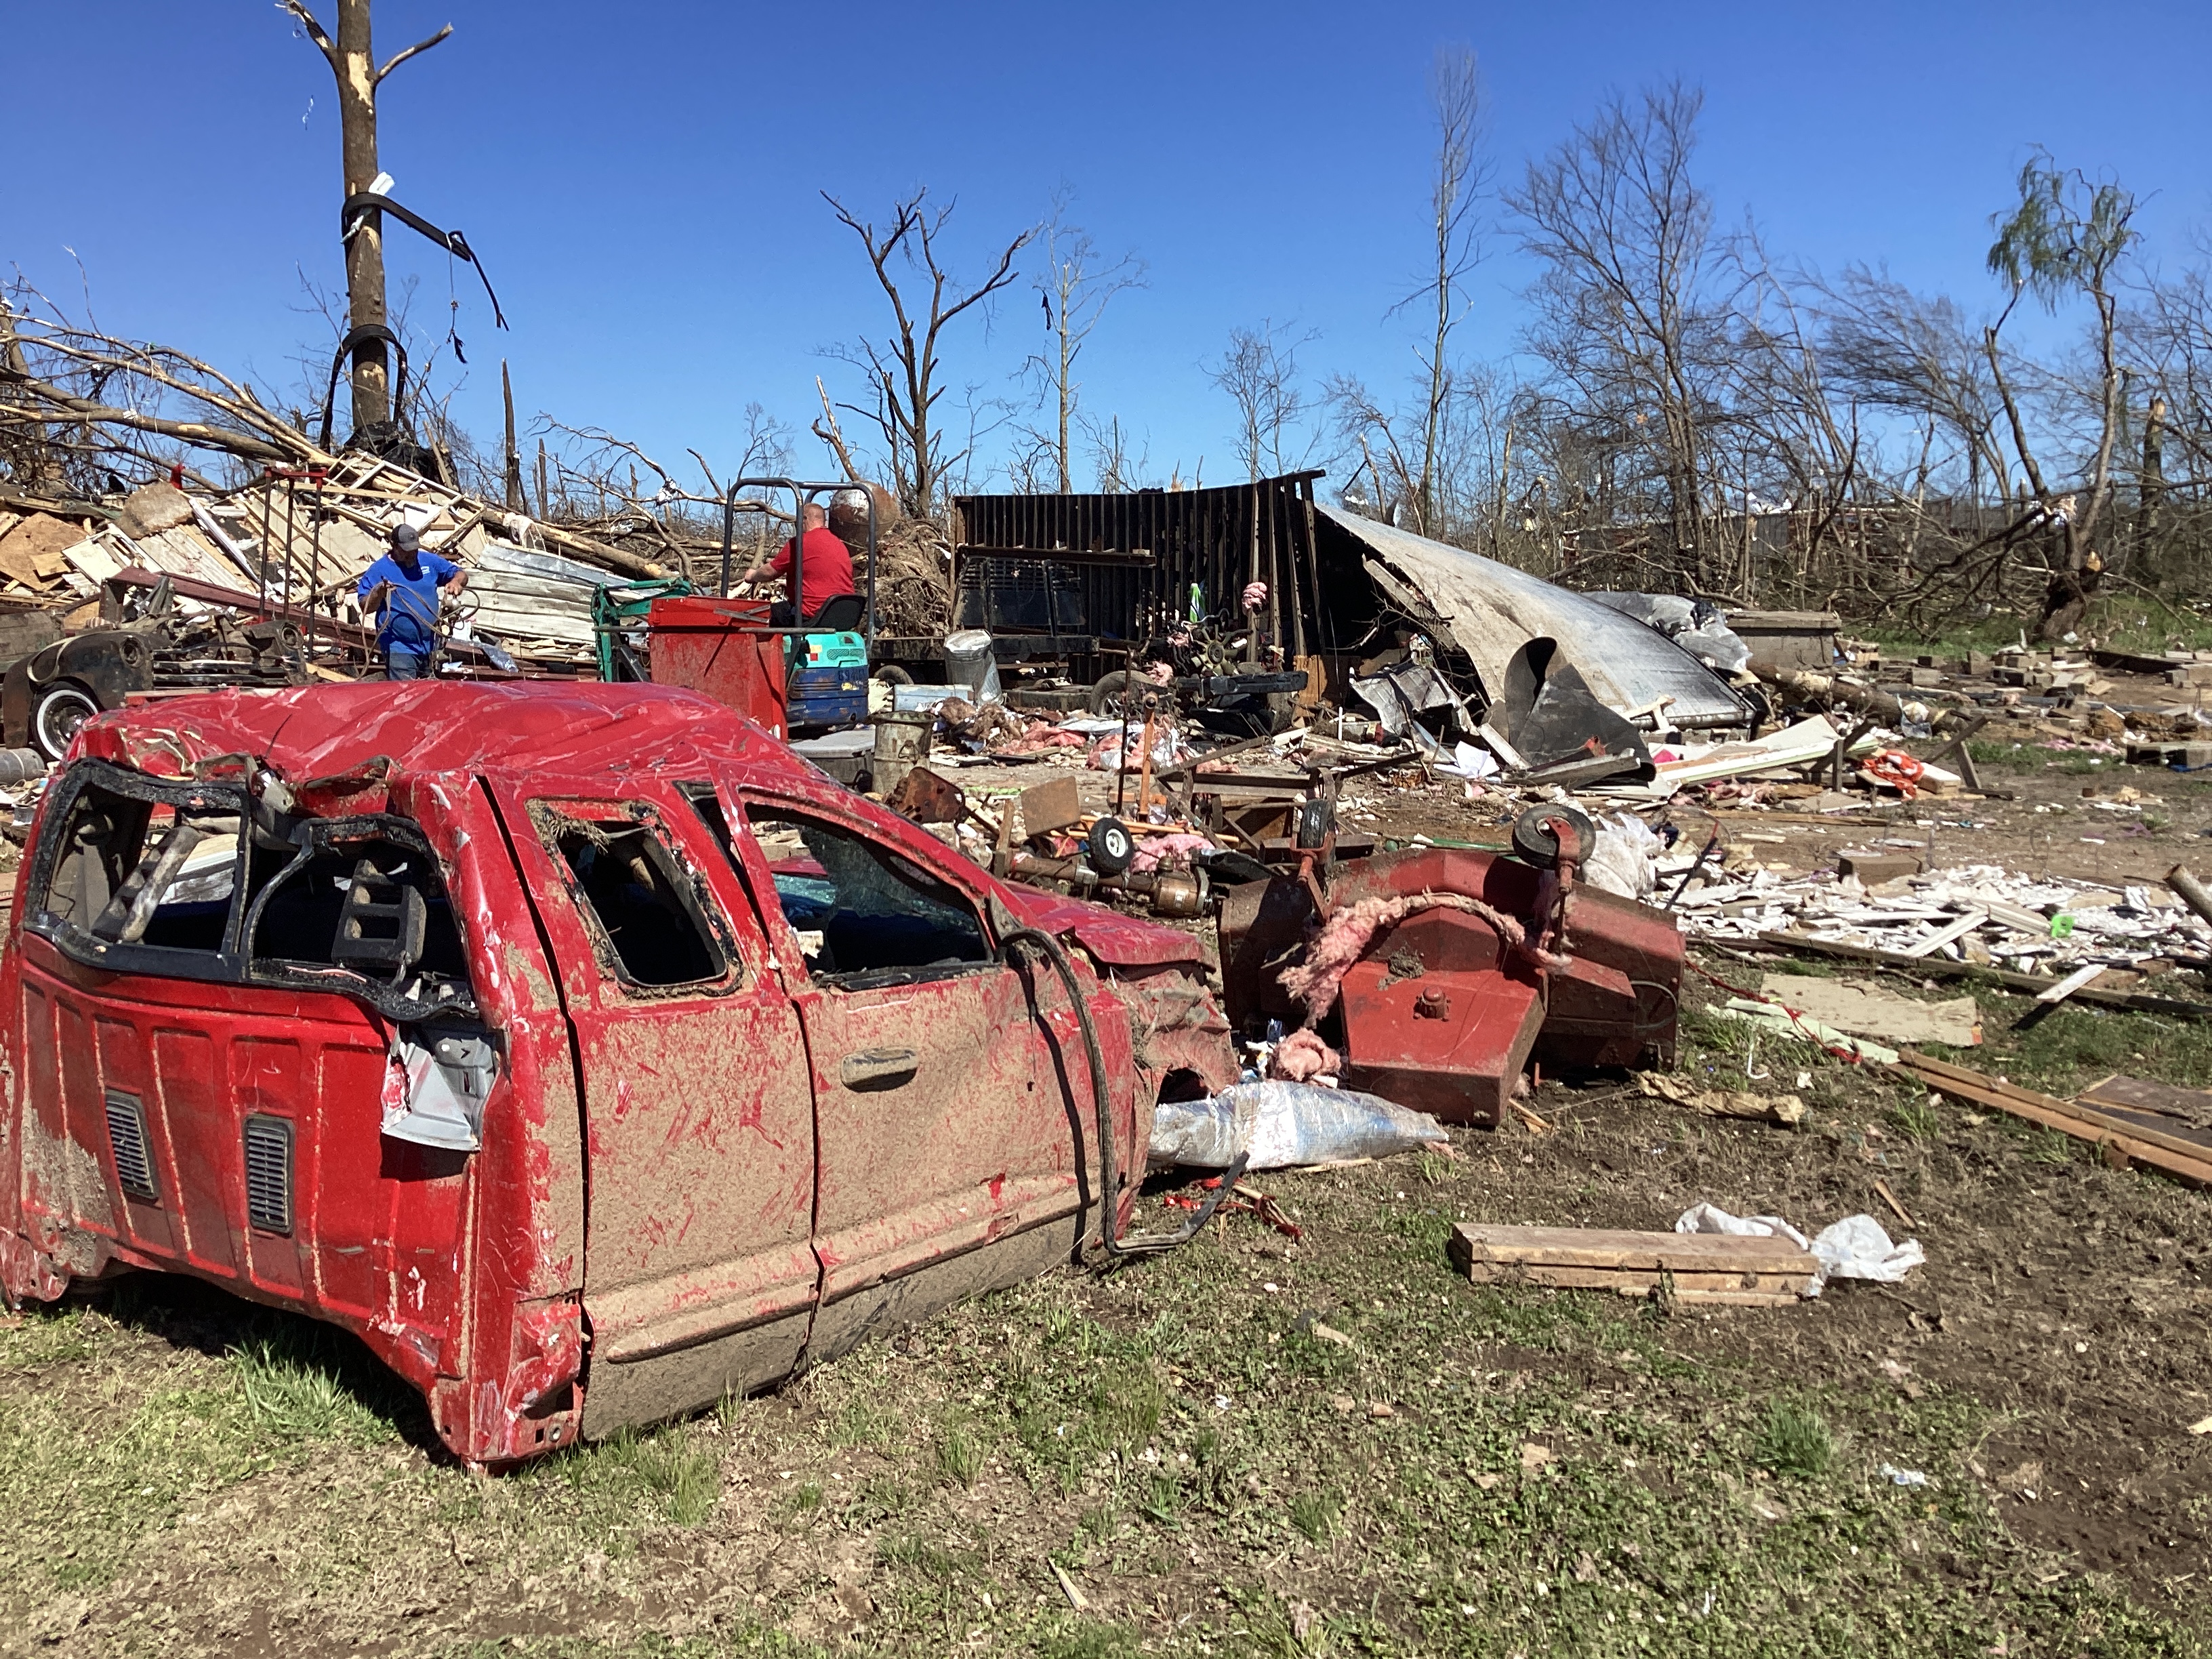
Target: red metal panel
[
  {"x": 209, "y": 1203},
  {"x": 988, "y": 1136},
  {"x": 699, "y": 644},
  {"x": 699, "y": 1118}
]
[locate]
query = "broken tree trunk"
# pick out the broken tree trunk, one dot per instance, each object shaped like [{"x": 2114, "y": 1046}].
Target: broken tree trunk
[
  {"x": 353, "y": 66},
  {"x": 1831, "y": 688}
]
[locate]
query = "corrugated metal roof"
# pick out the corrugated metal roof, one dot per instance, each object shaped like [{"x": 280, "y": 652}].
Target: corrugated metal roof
[{"x": 1492, "y": 610}]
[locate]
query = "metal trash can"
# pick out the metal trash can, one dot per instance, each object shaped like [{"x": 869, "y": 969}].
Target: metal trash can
[
  {"x": 969, "y": 662},
  {"x": 901, "y": 744}
]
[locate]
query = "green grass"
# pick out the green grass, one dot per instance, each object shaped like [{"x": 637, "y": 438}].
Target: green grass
[
  {"x": 1793, "y": 1440},
  {"x": 1170, "y": 1436},
  {"x": 2117, "y": 621}
]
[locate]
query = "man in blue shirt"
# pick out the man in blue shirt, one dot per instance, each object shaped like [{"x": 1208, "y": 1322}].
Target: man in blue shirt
[{"x": 402, "y": 588}]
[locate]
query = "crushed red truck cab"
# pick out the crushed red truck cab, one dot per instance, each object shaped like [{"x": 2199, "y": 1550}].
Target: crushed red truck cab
[{"x": 582, "y": 1049}]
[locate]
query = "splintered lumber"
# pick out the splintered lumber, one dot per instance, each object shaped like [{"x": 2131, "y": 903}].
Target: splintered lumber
[
  {"x": 2192, "y": 891},
  {"x": 2175, "y": 1152},
  {"x": 1719, "y": 1268}
]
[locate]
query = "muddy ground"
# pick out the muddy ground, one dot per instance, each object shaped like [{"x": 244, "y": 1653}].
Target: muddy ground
[{"x": 1326, "y": 1445}]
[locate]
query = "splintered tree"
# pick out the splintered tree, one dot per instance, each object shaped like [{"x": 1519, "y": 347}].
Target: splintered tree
[
  {"x": 1260, "y": 374},
  {"x": 1456, "y": 92},
  {"x": 2065, "y": 238},
  {"x": 902, "y": 369},
  {"x": 353, "y": 65}
]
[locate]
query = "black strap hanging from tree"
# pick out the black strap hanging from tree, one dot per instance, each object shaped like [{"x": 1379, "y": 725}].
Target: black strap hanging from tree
[{"x": 359, "y": 205}]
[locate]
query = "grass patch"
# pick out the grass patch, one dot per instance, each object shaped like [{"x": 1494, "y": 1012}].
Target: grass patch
[
  {"x": 1917, "y": 1120},
  {"x": 1314, "y": 1514},
  {"x": 959, "y": 1457},
  {"x": 1795, "y": 1440}
]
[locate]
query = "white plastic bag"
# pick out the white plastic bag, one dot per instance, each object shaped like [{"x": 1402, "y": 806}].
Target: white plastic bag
[
  {"x": 1284, "y": 1125},
  {"x": 1626, "y": 859},
  {"x": 1858, "y": 1247},
  {"x": 1854, "y": 1248}
]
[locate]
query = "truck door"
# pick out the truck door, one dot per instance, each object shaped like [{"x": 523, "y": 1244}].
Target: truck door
[
  {"x": 951, "y": 1159},
  {"x": 699, "y": 1277}
]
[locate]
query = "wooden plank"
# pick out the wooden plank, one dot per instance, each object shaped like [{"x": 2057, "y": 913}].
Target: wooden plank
[
  {"x": 1943, "y": 968},
  {"x": 1726, "y": 1290},
  {"x": 2067, "y": 986},
  {"x": 1608, "y": 1249},
  {"x": 2135, "y": 1094},
  {"x": 2186, "y": 1159},
  {"x": 1943, "y": 936},
  {"x": 1607, "y": 1278}
]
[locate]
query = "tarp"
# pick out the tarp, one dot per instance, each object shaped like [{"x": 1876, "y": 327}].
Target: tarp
[{"x": 1492, "y": 610}]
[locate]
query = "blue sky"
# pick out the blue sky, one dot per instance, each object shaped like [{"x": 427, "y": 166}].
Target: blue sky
[{"x": 642, "y": 181}]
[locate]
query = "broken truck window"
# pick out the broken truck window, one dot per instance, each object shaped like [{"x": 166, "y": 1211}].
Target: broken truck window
[
  {"x": 643, "y": 901},
  {"x": 362, "y": 901},
  {"x": 136, "y": 875},
  {"x": 865, "y": 915},
  {"x": 146, "y": 873}
]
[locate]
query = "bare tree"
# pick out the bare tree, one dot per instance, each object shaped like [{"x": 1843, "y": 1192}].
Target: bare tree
[
  {"x": 353, "y": 66},
  {"x": 1118, "y": 474},
  {"x": 1259, "y": 373},
  {"x": 1626, "y": 316},
  {"x": 1455, "y": 187},
  {"x": 902, "y": 370},
  {"x": 1076, "y": 285}
]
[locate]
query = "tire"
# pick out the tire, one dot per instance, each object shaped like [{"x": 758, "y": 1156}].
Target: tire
[
  {"x": 891, "y": 674},
  {"x": 1113, "y": 849},
  {"x": 1124, "y": 694},
  {"x": 59, "y": 710},
  {"x": 1108, "y": 695},
  {"x": 1535, "y": 842}
]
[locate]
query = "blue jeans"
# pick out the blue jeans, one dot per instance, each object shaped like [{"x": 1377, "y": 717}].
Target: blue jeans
[{"x": 405, "y": 666}]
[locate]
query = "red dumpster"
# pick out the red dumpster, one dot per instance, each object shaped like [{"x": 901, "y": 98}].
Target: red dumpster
[{"x": 701, "y": 644}]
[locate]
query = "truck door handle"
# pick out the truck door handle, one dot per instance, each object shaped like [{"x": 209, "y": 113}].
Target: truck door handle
[{"x": 878, "y": 1068}]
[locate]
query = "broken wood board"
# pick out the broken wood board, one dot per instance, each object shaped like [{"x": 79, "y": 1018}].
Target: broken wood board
[
  {"x": 1711, "y": 1267},
  {"x": 1865, "y": 1009},
  {"x": 2187, "y": 1157},
  {"x": 2191, "y": 1108},
  {"x": 1942, "y": 968},
  {"x": 31, "y": 552}
]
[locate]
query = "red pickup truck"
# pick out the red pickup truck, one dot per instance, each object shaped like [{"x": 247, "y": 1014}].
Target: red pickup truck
[{"x": 582, "y": 1049}]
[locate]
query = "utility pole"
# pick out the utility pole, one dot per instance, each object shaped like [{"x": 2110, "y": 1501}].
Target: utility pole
[{"x": 353, "y": 65}]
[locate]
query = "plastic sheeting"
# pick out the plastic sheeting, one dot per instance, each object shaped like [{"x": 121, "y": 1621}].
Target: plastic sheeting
[
  {"x": 1283, "y": 1125},
  {"x": 1699, "y": 626},
  {"x": 1492, "y": 610}
]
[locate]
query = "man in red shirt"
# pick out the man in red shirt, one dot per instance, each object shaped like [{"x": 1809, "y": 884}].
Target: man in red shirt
[{"x": 828, "y": 572}]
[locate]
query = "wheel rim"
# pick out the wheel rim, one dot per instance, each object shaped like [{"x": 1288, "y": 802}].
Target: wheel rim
[{"x": 60, "y": 713}]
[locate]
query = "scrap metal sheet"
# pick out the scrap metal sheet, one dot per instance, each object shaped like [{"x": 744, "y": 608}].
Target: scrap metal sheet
[{"x": 1493, "y": 610}]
